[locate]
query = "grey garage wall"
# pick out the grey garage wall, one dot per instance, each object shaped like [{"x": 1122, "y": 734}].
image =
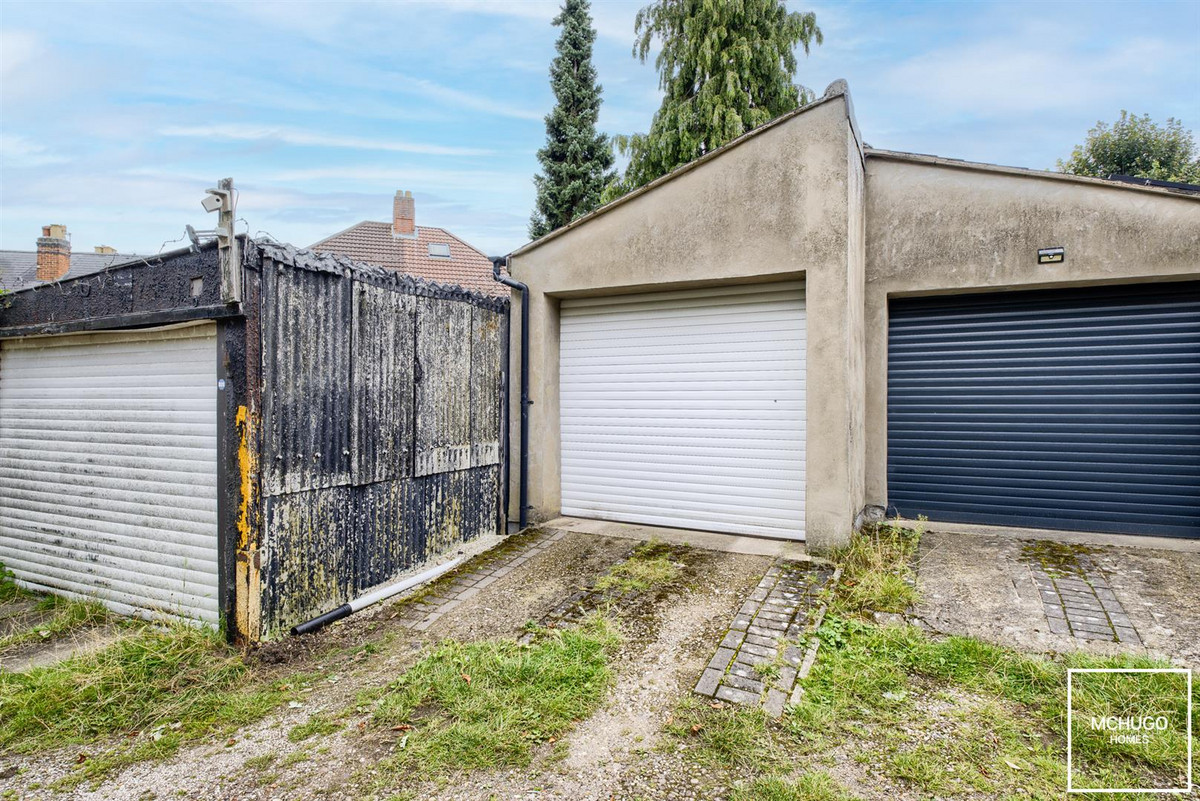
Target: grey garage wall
[
  {"x": 940, "y": 227},
  {"x": 1069, "y": 408},
  {"x": 380, "y": 428}
]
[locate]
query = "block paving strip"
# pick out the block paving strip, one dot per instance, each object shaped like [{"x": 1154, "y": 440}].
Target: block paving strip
[
  {"x": 760, "y": 655},
  {"x": 1079, "y": 603},
  {"x": 469, "y": 580},
  {"x": 590, "y": 599}
]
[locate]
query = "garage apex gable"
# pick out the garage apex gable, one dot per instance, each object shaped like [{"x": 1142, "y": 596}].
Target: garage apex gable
[
  {"x": 836, "y": 90},
  {"x": 781, "y": 203}
]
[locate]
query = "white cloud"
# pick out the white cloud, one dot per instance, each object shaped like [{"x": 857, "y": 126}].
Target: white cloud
[
  {"x": 457, "y": 97},
  {"x": 471, "y": 183},
  {"x": 17, "y": 48},
  {"x": 293, "y": 136},
  {"x": 19, "y": 151},
  {"x": 611, "y": 19},
  {"x": 1006, "y": 76}
]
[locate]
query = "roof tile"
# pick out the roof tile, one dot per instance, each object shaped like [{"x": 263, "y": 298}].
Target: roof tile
[
  {"x": 18, "y": 268},
  {"x": 374, "y": 243}
]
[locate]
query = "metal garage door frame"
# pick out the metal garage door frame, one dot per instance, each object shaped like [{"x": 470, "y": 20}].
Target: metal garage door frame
[
  {"x": 727, "y": 453},
  {"x": 148, "y": 554},
  {"x": 1075, "y": 409}
]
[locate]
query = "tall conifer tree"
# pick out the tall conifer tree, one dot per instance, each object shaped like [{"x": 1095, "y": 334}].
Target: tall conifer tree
[
  {"x": 576, "y": 159},
  {"x": 725, "y": 66}
]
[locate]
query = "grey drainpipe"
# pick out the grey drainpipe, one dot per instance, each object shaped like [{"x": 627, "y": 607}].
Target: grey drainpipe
[{"x": 523, "y": 487}]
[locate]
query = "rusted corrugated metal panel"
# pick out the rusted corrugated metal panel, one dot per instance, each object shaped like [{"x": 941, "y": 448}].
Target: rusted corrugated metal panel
[
  {"x": 487, "y": 329},
  {"x": 456, "y": 507},
  {"x": 307, "y": 333},
  {"x": 387, "y": 535},
  {"x": 443, "y": 397},
  {"x": 381, "y": 439},
  {"x": 482, "y": 512},
  {"x": 330, "y": 545},
  {"x": 406, "y": 379},
  {"x": 308, "y": 560}
]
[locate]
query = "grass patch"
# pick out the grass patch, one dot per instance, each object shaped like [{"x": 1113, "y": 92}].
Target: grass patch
[
  {"x": 261, "y": 762},
  {"x": 317, "y": 726},
  {"x": 9, "y": 591},
  {"x": 934, "y": 716},
  {"x": 157, "y": 687},
  {"x": 65, "y": 615},
  {"x": 1008, "y": 732},
  {"x": 489, "y": 703},
  {"x": 1105, "y": 695},
  {"x": 650, "y": 565},
  {"x": 877, "y": 574},
  {"x": 726, "y": 736},
  {"x": 812, "y": 786}
]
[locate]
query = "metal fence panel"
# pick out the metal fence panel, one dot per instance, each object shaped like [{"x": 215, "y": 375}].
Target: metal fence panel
[
  {"x": 381, "y": 442},
  {"x": 443, "y": 396},
  {"x": 306, "y": 379}
]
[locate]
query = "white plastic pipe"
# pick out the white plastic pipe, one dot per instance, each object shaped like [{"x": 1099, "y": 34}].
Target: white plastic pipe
[{"x": 375, "y": 596}]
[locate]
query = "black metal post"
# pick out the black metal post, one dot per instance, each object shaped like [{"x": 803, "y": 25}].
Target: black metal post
[{"x": 523, "y": 487}]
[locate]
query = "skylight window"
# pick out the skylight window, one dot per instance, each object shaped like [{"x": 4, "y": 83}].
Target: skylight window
[{"x": 439, "y": 250}]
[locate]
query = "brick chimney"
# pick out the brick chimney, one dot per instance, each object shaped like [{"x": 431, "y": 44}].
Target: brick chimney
[
  {"x": 105, "y": 250},
  {"x": 53, "y": 253},
  {"x": 404, "y": 215}
]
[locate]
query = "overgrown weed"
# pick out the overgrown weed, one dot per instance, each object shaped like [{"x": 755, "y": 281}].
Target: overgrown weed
[{"x": 491, "y": 703}]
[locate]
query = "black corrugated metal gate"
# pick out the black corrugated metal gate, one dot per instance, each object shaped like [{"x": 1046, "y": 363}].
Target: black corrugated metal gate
[{"x": 1069, "y": 409}]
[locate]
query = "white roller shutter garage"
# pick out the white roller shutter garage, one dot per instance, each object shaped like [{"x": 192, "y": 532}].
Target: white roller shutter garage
[
  {"x": 108, "y": 467},
  {"x": 686, "y": 409}
]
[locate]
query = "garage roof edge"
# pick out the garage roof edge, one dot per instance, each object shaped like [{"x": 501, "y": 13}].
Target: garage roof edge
[
  {"x": 837, "y": 89},
  {"x": 1020, "y": 172}
]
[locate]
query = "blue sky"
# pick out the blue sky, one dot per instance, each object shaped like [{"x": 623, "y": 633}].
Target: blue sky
[{"x": 116, "y": 116}]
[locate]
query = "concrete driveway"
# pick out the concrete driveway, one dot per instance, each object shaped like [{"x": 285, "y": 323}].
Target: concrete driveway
[
  {"x": 721, "y": 631},
  {"x": 1064, "y": 593}
]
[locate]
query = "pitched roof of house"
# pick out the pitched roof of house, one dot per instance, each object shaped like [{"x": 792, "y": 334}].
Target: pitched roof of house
[
  {"x": 374, "y": 243},
  {"x": 18, "y": 268}
]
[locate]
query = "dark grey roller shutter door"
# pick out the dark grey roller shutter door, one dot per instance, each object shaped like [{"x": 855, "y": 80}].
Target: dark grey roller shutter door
[{"x": 1068, "y": 409}]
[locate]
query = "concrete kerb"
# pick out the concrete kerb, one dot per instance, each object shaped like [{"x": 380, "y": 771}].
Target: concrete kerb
[
  {"x": 431, "y": 602},
  {"x": 794, "y": 550},
  {"x": 1053, "y": 535}
]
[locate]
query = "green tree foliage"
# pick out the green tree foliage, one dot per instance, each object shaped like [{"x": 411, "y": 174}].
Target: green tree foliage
[
  {"x": 576, "y": 160},
  {"x": 1136, "y": 146},
  {"x": 725, "y": 66}
]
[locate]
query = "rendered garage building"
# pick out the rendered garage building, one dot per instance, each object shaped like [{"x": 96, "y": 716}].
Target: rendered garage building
[{"x": 795, "y": 328}]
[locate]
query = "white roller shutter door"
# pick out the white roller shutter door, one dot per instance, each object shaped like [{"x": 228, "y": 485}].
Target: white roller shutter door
[
  {"x": 686, "y": 409},
  {"x": 108, "y": 467}
]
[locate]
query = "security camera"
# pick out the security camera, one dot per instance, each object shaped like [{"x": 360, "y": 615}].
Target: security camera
[{"x": 212, "y": 202}]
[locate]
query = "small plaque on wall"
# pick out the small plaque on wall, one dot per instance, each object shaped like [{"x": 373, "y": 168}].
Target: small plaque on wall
[{"x": 1051, "y": 255}]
